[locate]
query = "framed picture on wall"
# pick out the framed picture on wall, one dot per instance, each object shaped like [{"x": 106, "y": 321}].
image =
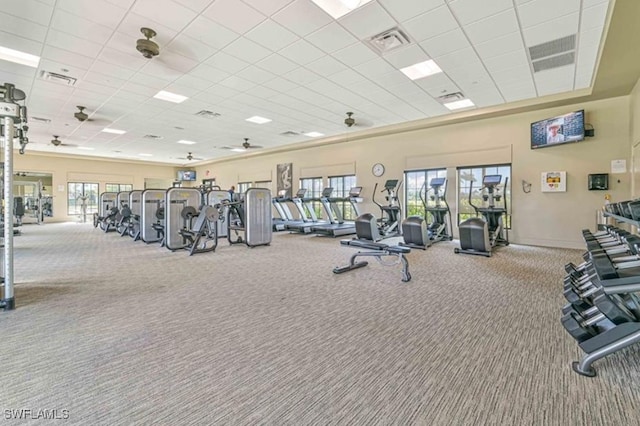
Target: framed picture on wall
[
  {"x": 284, "y": 179},
  {"x": 554, "y": 182}
]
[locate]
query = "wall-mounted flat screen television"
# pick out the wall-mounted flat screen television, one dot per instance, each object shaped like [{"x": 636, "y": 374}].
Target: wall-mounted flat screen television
[
  {"x": 558, "y": 130},
  {"x": 186, "y": 175}
]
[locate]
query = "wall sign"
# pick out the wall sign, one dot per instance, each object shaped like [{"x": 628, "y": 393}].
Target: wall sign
[
  {"x": 554, "y": 182},
  {"x": 284, "y": 179}
]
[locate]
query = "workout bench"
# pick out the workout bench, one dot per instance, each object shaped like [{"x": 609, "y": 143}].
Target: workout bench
[{"x": 378, "y": 251}]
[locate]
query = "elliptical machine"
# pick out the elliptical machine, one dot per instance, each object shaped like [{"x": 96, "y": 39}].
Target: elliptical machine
[
  {"x": 372, "y": 229},
  {"x": 479, "y": 235},
  {"x": 417, "y": 231}
]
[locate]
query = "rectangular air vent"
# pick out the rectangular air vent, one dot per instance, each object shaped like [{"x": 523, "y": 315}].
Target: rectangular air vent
[
  {"x": 207, "y": 114},
  {"x": 58, "y": 78},
  {"x": 389, "y": 40},
  {"x": 289, "y": 133},
  {"x": 553, "y": 54},
  {"x": 152, "y": 137},
  {"x": 40, "y": 120},
  {"x": 451, "y": 97}
]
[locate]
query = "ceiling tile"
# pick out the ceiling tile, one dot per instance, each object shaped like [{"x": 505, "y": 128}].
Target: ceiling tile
[
  {"x": 331, "y": 38},
  {"x": 355, "y": 54},
  {"x": 485, "y": 97},
  {"x": 130, "y": 27},
  {"x": 268, "y": 8},
  {"x": 511, "y": 75},
  {"x": 556, "y": 80},
  {"x": 209, "y": 73},
  {"x": 367, "y": 21},
  {"x": 537, "y": 11},
  {"x": 256, "y": 75},
  {"x": 193, "y": 82},
  {"x": 191, "y": 48},
  {"x": 588, "y": 3},
  {"x": 20, "y": 43},
  {"x": 500, "y": 45},
  {"x": 515, "y": 58},
  {"x": 132, "y": 61},
  {"x": 517, "y": 91},
  {"x": 277, "y": 64},
  {"x": 551, "y": 30},
  {"x": 445, "y": 43},
  {"x": 196, "y": 5},
  {"x": 279, "y": 84},
  {"x": 170, "y": 13},
  {"x": 326, "y": 66},
  {"x": 236, "y": 16},
  {"x": 468, "y": 11},
  {"x": 346, "y": 77},
  {"x": 75, "y": 44},
  {"x": 32, "y": 10},
  {"x": 226, "y": 62},
  {"x": 301, "y": 52},
  {"x": 470, "y": 76},
  {"x": 590, "y": 39},
  {"x": 405, "y": 10},
  {"x": 457, "y": 59},
  {"x": 406, "y": 56},
  {"x": 492, "y": 27},
  {"x": 302, "y": 17},
  {"x": 594, "y": 17},
  {"x": 23, "y": 28},
  {"x": 271, "y": 35},
  {"x": 430, "y": 24},
  {"x": 374, "y": 68},
  {"x": 209, "y": 32},
  {"x": 301, "y": 76},
  {"x": 247, "y": 50},
  {"x": 60, "y": 68},
  {"x": 437, "y": 85},
  {"x": 80, "y": 27},
  {"x": 99, "y": 12}
]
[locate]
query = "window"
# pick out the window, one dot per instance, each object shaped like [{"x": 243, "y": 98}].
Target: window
[
  {"x": 467, "y": 175},
  {"x": 264, "y": 184},
  {"x": 413, "y": 185},
  {"x": 341, "y": 186},
  {"x": 118, "y": 187},
  {"x": 243, "y": 186},
  {"x": 76, "y": 191},
  {"x": 314, "y": 190}
]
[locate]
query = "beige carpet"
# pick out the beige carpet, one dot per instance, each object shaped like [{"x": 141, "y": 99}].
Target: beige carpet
[{"x": 118, "y": 332}]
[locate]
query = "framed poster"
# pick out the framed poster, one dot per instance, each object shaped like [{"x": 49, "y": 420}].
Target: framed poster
[
  {"x": 284, "y": 179},
  {"x": 554, "y": 182}
]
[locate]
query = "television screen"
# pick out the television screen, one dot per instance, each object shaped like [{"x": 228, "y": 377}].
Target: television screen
[
  {"x": 558, "y": 130},
  {"x": 186, "y": 175}
]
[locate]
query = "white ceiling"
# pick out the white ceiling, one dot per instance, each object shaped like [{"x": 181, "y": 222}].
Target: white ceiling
[{"x": 286, "y": 60}]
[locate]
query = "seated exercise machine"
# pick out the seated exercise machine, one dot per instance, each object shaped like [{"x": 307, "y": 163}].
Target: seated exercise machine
[
  {"x": 202, "y": 236},
  {"x": 249, "y": 220},
  {"x": 152, "y": 215},
  {"x": 418, "y": 232},
  {"x": 106, "y": 216},
  {"x": 377, "y": 251},
  {"x": 479, "y": 235}
]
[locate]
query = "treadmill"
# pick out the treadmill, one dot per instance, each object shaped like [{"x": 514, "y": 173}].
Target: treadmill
[
  {"x": 280, "y": 205},
  {"x": 306, "y": 210},
  {"x": 339, "y": 226}
]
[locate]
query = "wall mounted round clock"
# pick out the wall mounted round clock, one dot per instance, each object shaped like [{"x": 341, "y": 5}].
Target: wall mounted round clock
[{"x": 377, "y": 169}]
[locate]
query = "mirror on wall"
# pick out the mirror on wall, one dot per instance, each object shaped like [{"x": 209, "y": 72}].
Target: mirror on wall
[{"x": 32, "y": 194}]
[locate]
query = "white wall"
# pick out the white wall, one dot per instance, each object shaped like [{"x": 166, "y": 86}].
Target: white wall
[{"x": 549, "y": 219}]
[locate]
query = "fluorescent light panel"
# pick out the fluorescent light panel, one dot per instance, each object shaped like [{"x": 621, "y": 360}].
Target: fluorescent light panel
[
  {"x": 170, "y": 97},
  {"x": 258, "y": 120},
  {"x": 114, "y": 131},
  {"x": 238, "y": 149},
  {"x": 339, "y": 8},
  {"x": 19, "y": 57},
  {"x": 142, "y": 154},
  {"x": 183, "y": 142},
  {"x": 421, "y": 69},
  {"x": 314, "y": 134},
  {"x": 86, "y": 148},
  {"x": 464, "y": 103}
]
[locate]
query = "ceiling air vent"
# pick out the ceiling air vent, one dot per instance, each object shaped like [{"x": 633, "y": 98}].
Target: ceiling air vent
[
  {"x": 289, "y": 133},
  {"x": 207, "y": 114},
  {"x": 553, "y": 54},
  {"x": 40, "y": 120},
  {"x": 389, "y": 40},
  {"x": 152, "y": 137},
  {"x": 58, "y": 78},
  {"x": 451, "y": 97}
]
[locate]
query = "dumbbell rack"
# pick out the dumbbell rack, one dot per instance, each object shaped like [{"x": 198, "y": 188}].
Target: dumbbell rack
[{"x": 603, "y": 313}]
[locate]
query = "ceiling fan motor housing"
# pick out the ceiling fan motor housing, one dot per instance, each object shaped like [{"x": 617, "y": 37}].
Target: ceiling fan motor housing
[{"x": 148, "y": 48}]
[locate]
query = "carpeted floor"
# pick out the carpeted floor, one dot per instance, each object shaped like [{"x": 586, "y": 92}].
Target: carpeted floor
[{"x": 117, "y": 332}]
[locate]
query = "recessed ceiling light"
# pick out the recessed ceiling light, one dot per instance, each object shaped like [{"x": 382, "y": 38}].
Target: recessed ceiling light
[
  {"x": 183, "y": 142},
  {"x": 114, "y": 131},
  {"x": 339, "y": 8},
  {"x": 170, "y": 97},
  {"x": 421, "y": 69},
  {"x": 314, "y": 134},
  {"x": 86, "y": 148},
  {"x": 465, "y": 103},
  {"x": 258, "y": 120},
  {"x": 238, "y": 149},
  {"x": 142, "y": 154},
  {"x": 19, "y": 57}
]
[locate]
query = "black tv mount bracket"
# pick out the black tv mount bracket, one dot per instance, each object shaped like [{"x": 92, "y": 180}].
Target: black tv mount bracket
[{"x": 589, "y": 131}]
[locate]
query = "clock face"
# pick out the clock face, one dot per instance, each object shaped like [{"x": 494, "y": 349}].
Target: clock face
[{"x": 377, "y": 169}]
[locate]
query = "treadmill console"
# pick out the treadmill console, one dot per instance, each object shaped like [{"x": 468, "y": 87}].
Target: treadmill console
[
  {"x": 326, "y": 193},
  {"x": 301, "y": 192},
  {"x": 355, "y": 191},
  {"x": 492, "y": 180}
]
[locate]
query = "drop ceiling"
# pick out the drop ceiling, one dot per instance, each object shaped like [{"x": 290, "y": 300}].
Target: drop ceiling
[{"x": 285, "y": 60}]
